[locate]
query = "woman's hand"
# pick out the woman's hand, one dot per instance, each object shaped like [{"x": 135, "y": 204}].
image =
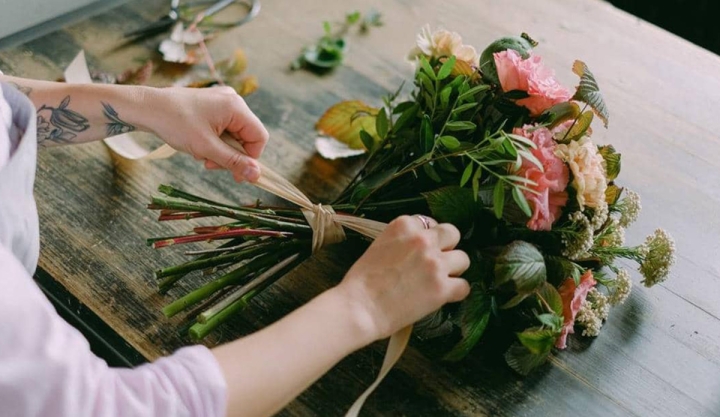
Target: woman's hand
[
  {"x": 192, "y": 120},
  {"x": 407, "y": 273}
]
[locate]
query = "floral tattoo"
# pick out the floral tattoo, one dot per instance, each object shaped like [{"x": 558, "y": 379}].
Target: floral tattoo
[
  {"x": 62, "y": 125},
  {"x": 115, "y": 126}
]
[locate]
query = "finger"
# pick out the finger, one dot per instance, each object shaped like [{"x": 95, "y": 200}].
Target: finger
[
  {"x": 246, "y": 127},
  {"x": 457, "y": 290},
  {"x": 458, "y": 262},
  {"x": 448, "y": 236},
  {"x": 212, "y": 165},
  {"x": 242, "y": 166}
]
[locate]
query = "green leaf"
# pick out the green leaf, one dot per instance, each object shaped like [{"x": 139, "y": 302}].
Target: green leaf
[
  {"x": 464, "y": 107},
  {"x": 612, "y": 194},
  {"x": 550, "y": 294},
  {"x": 327, "y": 28},
  {"x": 470, "y": 94},
  {"x": 353, "y": 17},
  {"x": 446, "y": 68},
  {"x": 446, "y": 165},
  {"x": 521, "y": 201},
  {"x": 406, "y": 117},
  {"x": 522, "y": 264},
  {"x": 445, "y": 97},
  {"x": 401, "y": 107},
  {"x": 453, "y": 204},
  {"x": 559, "y": 269},
  {"x": 367, "y": 140},
  {"x": 521, "y": 360},
  {"x": 459, "y": 126},
  {"x": 582, "y": 124},
  {"x": 474, "y": 318},
  {"x": 589, "y": 92},
  {"x": 426, "y": 83},
  {"x": 425, "y": 66},
  {"x": 426, "y": 134},
  {"x": 562, "y": 112},
  {"x": 381, "y": 124},
  {"x": 499, "y": 199},
  {"x": 517, "y": 299},
  {"x": 476, "y": 183},
  {"x": 510, "y": 149},
  {"x": 612, "y": 161},
  {"x": 538, "y": 341},
  {"x": 450, "y": 142},
  {"x": 431, "y": 173},
  {"x": 553, "y": 321},
  {"x": 467, "y": 172}
]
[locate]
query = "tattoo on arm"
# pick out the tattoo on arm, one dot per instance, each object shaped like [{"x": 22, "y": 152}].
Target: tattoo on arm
[
  {"x": 21, "y": 88},
  {"x": 59, "y": 124},
  {"x": 115, "y": 126}
]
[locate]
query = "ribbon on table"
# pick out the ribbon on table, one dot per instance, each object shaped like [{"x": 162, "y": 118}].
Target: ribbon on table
[{"x": 327, "y": 226}]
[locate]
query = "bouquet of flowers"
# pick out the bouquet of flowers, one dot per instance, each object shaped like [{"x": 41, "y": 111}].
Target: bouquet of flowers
[{"x": 490, "y": 142}]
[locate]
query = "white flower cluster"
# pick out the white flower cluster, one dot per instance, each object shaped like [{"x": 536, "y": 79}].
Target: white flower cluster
[
  {"x": 615, "y": 235},
  {"x": 622, "y": 288},
  {"x": 578, "y": 243},
  {"x": 659, "y": 254},
  {"x": 593, "y": 312},
  {"x": 629, "y": 208},
  {"x": 600, "y": 216}
]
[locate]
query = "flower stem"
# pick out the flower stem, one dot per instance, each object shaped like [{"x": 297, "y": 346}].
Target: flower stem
[
  {"x": 228, "y": 234},
  {"x": 234, "y": 277},
  {"x": 233, "y": 257},
  {"x": 239, "y": 214}
]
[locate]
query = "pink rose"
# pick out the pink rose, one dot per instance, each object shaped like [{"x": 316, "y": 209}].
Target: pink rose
[
  {"x": 550, "y": 181},
  {"x": 530, "y": 75},
  {"x": 573, "y": 298}
]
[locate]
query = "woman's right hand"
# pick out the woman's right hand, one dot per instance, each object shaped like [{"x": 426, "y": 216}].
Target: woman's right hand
[{"x": 408, "y": 272}]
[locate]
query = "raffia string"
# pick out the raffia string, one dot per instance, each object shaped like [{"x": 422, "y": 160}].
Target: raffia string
[{"x": 327, "y": 226}]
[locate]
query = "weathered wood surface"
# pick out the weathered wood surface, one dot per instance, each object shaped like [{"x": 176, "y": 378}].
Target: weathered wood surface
[{"x": 659, "y": 354}]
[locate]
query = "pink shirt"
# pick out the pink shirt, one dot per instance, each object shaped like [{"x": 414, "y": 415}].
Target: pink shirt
[{"x": 46, "y": 366}]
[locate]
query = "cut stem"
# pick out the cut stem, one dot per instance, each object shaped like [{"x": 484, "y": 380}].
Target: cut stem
[
  {"x": 234, "y": 277},
  {"x": 229, "y": 234}
]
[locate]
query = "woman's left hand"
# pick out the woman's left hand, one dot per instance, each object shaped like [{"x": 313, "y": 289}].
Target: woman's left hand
[{"x": 192, "y": 120}]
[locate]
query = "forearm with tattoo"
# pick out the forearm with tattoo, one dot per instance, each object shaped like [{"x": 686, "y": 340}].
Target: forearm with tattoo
[{"x": 77, "y": 113}]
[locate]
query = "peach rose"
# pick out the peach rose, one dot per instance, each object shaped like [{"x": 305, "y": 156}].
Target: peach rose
[
  {"x": 532, "y": 76},
  {"x": 587, "y": 166}
]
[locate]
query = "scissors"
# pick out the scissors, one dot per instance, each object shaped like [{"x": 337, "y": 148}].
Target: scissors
[{"x": 167, "y": 21}]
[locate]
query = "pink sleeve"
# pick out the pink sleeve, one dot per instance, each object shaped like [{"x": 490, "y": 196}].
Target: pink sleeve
[{"x": 47, "y": 368}]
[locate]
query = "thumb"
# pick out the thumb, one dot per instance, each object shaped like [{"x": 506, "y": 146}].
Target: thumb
[{"x": 243, "y": 167}]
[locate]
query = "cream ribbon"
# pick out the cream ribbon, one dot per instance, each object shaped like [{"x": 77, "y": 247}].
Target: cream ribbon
[{"x": 327, "y": 226}]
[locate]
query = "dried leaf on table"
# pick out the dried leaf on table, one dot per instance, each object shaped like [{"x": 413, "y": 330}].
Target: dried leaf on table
[{"x": 345, "y": 120}]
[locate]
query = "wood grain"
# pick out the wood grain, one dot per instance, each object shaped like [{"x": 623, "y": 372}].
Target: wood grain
[{"x": 659, "y": 354}]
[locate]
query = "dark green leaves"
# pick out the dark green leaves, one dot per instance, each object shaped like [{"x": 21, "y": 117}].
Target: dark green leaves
[
  {"x": 521, "y": 264},
  {"x": 551, "y": 296},
  {"x": 538, "y": 341},
  {"x": 589, "y": 92},
  {"x": 499, "y": 199},
  {"x": 427, "y": 137},
  {"x": 454, "y": 205},
  {"x": 474, "y": 317},
  {"x": 521, "y": 360},
  {"x": 367, "y": 140},
  {"x": 612, "y": 161},
  {"x": 559, "y": 269}
]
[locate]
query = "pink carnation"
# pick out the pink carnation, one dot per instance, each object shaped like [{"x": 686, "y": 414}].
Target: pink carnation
[
  {"x": 573, "y": 298},
  {"x": 550, "y": 181},
  {"x": 532, "y": 76}
]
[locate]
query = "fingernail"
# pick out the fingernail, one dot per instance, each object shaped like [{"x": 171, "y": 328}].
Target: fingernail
[{"x": 251, "y": 173}]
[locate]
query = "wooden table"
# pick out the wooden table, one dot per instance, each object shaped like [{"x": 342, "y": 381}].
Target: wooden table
[{"x": 659, "y": 354}]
